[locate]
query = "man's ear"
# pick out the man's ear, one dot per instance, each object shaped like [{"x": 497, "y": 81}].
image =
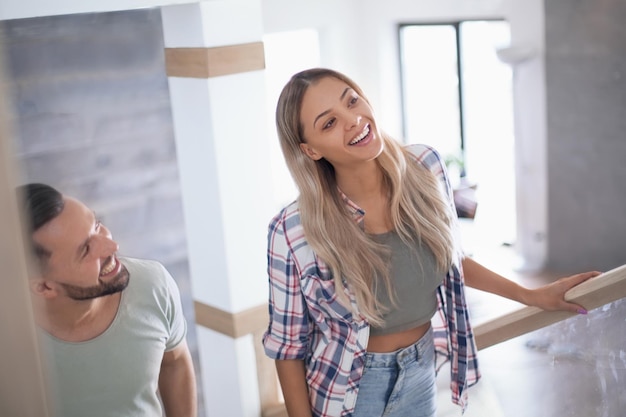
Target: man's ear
[
  {"x": 310, "y": 152},
  {"x": 42, "y": 288}
]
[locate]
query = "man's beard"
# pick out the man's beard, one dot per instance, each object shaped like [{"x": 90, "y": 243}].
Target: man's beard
[{"x": 117, "y": 284}]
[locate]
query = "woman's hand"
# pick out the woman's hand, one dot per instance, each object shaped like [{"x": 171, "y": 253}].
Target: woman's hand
[{"x": 552, "y": 296}]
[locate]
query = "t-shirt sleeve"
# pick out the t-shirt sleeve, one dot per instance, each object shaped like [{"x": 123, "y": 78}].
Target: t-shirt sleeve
[{"x": 174, "y": 312}]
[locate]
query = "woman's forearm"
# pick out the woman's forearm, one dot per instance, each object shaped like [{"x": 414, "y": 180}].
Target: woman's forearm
[
  {"x": 479, "y": 277},
  {"x": 291, "y": 374}
]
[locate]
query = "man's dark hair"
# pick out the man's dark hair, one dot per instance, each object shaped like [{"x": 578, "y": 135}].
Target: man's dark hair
[{"x": 42, "y": 203}]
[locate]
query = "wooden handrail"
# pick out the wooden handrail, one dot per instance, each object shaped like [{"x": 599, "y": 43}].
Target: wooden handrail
[{"x": 604, "y": 289}]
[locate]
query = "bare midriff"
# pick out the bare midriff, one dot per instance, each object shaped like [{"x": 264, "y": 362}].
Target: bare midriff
[{"x": 394, "y": 341}]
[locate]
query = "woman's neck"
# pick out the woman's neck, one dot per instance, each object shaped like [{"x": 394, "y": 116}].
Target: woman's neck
[
  {"x": 362, "y": 184},
  {"x": 367, "y": 190}
]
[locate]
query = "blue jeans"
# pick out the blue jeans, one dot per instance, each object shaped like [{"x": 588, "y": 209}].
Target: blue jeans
[{"x": 400, "y": 383}]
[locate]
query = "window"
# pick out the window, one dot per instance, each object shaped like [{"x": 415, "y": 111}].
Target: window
[{"x": 457, "y": 97}]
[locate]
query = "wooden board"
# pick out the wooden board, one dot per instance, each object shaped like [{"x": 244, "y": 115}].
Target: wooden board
[{"x": 214, "y": 62}]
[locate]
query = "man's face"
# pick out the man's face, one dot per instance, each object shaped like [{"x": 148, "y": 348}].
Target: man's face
[{"x": 82, "y": 264}]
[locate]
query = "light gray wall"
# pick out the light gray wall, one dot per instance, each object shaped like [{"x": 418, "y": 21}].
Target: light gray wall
[
  {"x": 586, "y": 110},
  {"x": 92, "y": 117}
]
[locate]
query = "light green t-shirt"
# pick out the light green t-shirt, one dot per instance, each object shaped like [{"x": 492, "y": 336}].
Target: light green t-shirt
[{"x": 116, "y": 374}]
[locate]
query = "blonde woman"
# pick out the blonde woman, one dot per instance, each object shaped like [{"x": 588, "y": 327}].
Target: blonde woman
[{"x": 366, "y": 278}]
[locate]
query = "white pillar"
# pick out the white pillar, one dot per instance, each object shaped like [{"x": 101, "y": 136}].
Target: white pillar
[
  {"x": 222, "y": 146},
  {"x": 531, "y": 171}
]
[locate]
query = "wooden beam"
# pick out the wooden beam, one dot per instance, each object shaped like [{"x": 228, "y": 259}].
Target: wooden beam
[
  {"x": 276, "y": 410},
  {"x": 214, "y": 62},
  {"x": 596, "y": 292},
  {"x": 234, "y": 325}
]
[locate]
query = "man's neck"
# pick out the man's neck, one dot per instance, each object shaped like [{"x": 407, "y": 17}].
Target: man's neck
[{"x": 77, "y": 321}]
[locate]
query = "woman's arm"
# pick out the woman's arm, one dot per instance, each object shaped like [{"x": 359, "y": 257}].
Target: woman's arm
[
  {"x": 291, "y": 374},
  {"x": 547, "y": 297}
]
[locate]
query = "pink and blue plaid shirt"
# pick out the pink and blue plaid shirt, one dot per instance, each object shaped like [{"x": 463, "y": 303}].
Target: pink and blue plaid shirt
[{"x": 307, "y": 321}]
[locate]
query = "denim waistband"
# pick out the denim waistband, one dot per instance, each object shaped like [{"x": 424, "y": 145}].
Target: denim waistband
[{"x": 401, "y": 357}]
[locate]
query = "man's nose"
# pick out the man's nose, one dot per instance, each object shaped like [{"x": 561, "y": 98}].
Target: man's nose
[{"x": 105, "y": 242}]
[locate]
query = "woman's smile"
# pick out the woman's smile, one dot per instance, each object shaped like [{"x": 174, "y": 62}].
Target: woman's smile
[{"x": 360, "y": 139}]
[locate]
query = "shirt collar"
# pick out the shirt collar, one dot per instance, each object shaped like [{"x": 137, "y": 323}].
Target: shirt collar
[{"x": 355, "y": 211}]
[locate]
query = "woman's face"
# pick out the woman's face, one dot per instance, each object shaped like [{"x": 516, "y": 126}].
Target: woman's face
[{"x": 338, "y": 124}]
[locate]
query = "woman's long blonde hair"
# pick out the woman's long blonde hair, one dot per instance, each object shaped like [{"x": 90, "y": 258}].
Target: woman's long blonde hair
[{"x": 418, "y": 209}]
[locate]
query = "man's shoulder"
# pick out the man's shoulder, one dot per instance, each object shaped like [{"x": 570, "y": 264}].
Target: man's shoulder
[
  {"x": 146, "y": 271},
  {"x": 149, "y": 265}
]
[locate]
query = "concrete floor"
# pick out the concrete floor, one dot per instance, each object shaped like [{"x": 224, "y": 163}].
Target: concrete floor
[{"x": 575, "y": 368}]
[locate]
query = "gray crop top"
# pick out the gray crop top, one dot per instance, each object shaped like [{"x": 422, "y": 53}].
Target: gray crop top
[{"x": 415, "y": 278}]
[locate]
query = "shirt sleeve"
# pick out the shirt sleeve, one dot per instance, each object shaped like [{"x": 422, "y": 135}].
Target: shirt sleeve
[
  {"x": 174, "y": 312},
  {"x": 287, "y": 336}
]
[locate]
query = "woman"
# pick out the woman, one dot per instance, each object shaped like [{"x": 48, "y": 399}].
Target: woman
[{"x": 366, "y": 277}]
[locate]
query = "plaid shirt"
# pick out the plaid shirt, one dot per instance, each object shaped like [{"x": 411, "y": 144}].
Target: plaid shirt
[{"x": 307, "y": 321}]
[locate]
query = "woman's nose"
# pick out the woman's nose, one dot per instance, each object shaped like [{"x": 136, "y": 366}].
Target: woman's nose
[{"x": 353, "y": 120}]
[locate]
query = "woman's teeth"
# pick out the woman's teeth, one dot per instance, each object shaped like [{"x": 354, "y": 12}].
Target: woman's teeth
[{"x": 359, "y": 138}]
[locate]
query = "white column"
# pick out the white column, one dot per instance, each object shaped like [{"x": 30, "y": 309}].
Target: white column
[
  {"x": 222, "y": 147},
  {"x": 529, "y": 95}
]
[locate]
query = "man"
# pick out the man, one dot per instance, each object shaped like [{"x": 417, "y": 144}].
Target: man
[{"x": 112, "y": 328}]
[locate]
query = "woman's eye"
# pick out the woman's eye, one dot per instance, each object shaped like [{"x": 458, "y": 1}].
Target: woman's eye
[
  {"x": 329, "y": 123},
  {"x": 353, "y": 100}
]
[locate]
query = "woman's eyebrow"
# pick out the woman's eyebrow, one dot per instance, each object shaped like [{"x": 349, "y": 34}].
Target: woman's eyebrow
[{"x": 322, "y": 114}]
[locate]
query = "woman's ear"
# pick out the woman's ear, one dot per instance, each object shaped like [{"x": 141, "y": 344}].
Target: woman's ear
[{"x": 310, "y": 152}]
